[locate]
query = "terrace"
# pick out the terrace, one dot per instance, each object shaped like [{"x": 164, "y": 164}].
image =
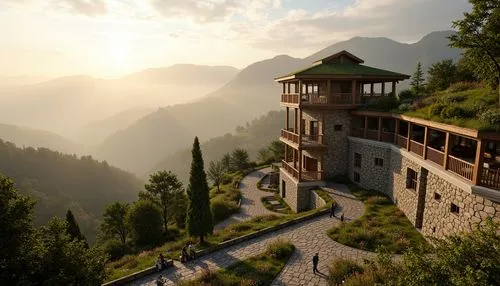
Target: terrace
[
  {"x": 302, "y": 167},
  {"x": 464, "y": 152}
]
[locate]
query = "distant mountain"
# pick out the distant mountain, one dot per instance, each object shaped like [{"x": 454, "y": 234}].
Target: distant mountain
[
  {"x": 257, "y": 134},
  {"x": 24, "y": 136},
  {"x": 66, "y": 105},
  {"x": 250, "y": 94},
  {"x": 58, "y": 182}
]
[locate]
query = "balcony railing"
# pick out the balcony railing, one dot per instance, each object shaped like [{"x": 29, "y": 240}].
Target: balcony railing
[
  {"x": 401, "y": 141},
  {"x": 460, "y": 167},
  {"x": 341, "y": 98},
  {"x": 435, "y": 156},
  {"x": 290, "y": 136},
  {"x": 358, "y": 132},
  {"x": 312, "y": 176},
  {"x": 290, "y": 169},
  {"x": 290, "y": 98},
  {"x": 312, "y": 139},
  {"x": 417, "y": 147},
  {"x": 491, "y": 178},
  {"x": 372, "y": 134},
  {"x": 387, "y": 137}
]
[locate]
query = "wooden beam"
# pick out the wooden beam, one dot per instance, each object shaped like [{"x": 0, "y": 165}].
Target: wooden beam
[
  {"x": 409, "y": 135},
  {"x": 394, "y": 88},
  {"x": 354, "y": 92},
  {"x": 379, "y": 135},
  {"x": 300, "y": 127},
  {"x": 329, "y": 91},
  {"x": 478, "y": 163},
  {"x": 294, "y": 157},
  {"x": 447, "y": 142},
  {"x": 382, "y": 91},
  {"x": 426, "y": 138},
  {"x": 396, "y": 131},
  {"x": 284, "y": 90},
  {"x": 287, "y": 119},
  {"x": 366, "y": 127},
  {"x": 300, "y": 164},
  {"x": 296, "y": 118},
  {"x": 371, "y": 88},
  {"x": 286, "y": 153}
]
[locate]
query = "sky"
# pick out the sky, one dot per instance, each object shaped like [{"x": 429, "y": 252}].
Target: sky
[{"x": 112, "y": 38}]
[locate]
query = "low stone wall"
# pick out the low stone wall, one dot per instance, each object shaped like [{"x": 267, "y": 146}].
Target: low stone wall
[
  {"x": 134, "y": 276},
  {"x": 316, "y": 201}
]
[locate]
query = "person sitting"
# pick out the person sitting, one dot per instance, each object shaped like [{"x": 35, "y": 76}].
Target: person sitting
[
  {"x": 192, "y": 251},
  {"x": 163, "y": 261},
  {"x": 184, "y": 255},
  {"x": 159, "y": 264}
]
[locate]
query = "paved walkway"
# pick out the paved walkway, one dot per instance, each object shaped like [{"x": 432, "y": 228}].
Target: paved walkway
[
  {"x": 308, "y": 237},
  {"x": 251, "y": 206}
]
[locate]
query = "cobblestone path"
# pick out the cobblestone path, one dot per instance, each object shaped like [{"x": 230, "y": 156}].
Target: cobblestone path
[
  {"x": 251, "y": 206},
  {"x": 308, "y": 237}
]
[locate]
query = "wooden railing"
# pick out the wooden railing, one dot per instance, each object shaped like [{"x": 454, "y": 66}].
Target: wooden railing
[
  {"x": 358, "y": 132},
  {"x": 290, "y": 169},
  {"x": 341, "y": 98},
  {"x": 460, "y": 167},
  {"x": 435, "y": 156},
  {"x": 491, "y": 178},
  {"x": 417, "y": 148},
  {"x": 372, "y": 134},
  {"x": 315, "y": 139},
  {"x": 290, "y": 98},
  {"x": 401, "y": 141},
  {"x": 290, "y": 136},
  {"x": 387, "y": 137},
  {"x": 311, "y": 176}
]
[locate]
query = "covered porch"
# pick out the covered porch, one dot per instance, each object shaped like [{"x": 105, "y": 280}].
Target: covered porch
[{"x": 302, "y": 167}]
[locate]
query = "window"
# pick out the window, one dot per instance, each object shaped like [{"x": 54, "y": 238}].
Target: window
[
  {"x": 379, "y": 162},
  {"x": 437, "y": 196},
  {"x": 337, "y": 127},
  {"x": 411, "y": 179},
  {"x": 314, "y": 128},
  {"x": 357, "y": 160},
  {"x": 454, "y": 208},
  {"x": 356, "y": 177}
]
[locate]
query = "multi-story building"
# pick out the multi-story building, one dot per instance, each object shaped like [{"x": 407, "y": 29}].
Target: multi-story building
[{"x": 444, "y": 178}]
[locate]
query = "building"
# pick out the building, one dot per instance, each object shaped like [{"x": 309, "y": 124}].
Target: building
[{"x": 444, "y": 178}]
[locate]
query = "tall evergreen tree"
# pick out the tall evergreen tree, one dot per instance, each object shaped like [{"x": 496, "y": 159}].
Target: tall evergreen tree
[
  {"x": 72, "y": 227},
  {"x": 199, "y": 218},
  {"x": 417, "y": 81}
]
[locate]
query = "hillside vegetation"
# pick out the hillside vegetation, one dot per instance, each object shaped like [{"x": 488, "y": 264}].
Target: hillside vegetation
[{"x": 58, "y": 182}]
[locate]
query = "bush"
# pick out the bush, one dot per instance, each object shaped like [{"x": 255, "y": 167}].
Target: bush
[
  {"x": 280, "y": 248},
  {"x": 492, "y": 116},
  {"x": 404, "y": 107},
  {"x": 406, "y": 95},
  {"x": 455, "y": 111},
  {"x": 452, "y": 98},
  {"x": 226, "y": 179},
  {"x": 221, "y": 209},
  {"x": 417, "y": 104},
  {"x": 463, "y": 85},
  {"x": 115, "y": 249},
  {"x": 435, "y": 109},
  {"x": 341, "y": 269},
  {"x": 145, "y": 221}
]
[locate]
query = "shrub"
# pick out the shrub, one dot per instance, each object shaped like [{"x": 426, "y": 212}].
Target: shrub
[
  {"x": 455, "y": 111},
  {"x": 386, "y": 103},
  {"x": 341, "y": 269},
  {"x": 145, "y": 221},
  {"x": 435, "y": 109},
  {"x": 406, "y": 95},
  {"x": 241, "y": 227},
  {"x": 417, "y": 104},
  {"x": 115, "y": 249},
  {"x": 226, "y": 179},
  {"x": 221, "y": 209},
  {"x": 404, "y": 107},
  {"x": 492, "y": 116},
  {"x": 265, "y": 218},
  {"x": 452, "y": 98},
  {"x": 463, "y": 85},
  {"x": 280, "y": 248}
]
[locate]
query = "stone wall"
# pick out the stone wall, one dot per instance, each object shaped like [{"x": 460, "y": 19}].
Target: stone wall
[
  {"x": 335, "y": 155},
  {"x": 297, "y": 197},
  {"x": 316, "y": 201},
  {"x": 439, "y": 221}
]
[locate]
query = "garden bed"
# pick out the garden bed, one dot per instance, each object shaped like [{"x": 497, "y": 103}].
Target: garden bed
[{"x": 275, "y": 203}]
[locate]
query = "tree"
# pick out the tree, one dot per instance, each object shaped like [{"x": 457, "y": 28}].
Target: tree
[
  {"x": 17, "y": 234},
  {"x": 277, "y": 148},
  {"x": 264, "y": 155},
  {"x": 239, "y": 159},
  {"x": 73, "y": 228},
  {"x": 165, "y": 188},
  {"x": 113, "y": 221},
  {"x": 145, "y": 222},
  {"x": 478, "y": 33},
  {"x": 199, "y": 217},
  {"x": 226, "y": 162},
  {"x": 441, "y": 75},
  {"x": 417, "y": 81},
  {"x": 216, "y": 172}
]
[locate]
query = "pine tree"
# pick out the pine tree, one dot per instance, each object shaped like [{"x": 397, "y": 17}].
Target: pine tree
[
  {"x": 199, "y": 217},
  {"x": 417, "y": 81},
  {"x": 72, "y": 227}
]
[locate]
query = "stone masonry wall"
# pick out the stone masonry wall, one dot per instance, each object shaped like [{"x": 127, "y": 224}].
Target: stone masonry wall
[
  {"x": 337, "y": 143},
  {"x": 316, "y": 201},
  {"x": 439, "y": 221},
  {"x": 291, "y": 190}
]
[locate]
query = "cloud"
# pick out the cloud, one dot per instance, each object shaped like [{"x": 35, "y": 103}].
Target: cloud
[{"x": 89, "y": 8}]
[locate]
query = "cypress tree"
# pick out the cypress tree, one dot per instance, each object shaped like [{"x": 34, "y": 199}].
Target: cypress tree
[
  {"x": 72, "y": 227},
  {"x": 198, "y": 217}
]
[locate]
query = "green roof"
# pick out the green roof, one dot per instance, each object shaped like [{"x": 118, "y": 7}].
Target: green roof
[{"x": 345, "y": 69}]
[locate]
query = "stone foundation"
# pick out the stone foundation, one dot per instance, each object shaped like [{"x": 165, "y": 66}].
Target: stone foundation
[
  {"x": 296, "y": 196},
  {"x": 316, "y": 201}
]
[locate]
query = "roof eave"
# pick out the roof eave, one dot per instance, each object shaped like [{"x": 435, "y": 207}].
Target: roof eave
[{"x": 285, "y": 78}]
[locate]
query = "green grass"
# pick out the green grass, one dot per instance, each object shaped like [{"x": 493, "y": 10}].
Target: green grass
[
  {"x": 325, "y": 196},
  {"x": 256, "y": 270},
  {"x": 285, "y": 208},
  {"x": 382, "y": 226}
]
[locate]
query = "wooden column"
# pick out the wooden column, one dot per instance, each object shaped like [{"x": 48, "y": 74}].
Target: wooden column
[
  {"x": 300, "y": 164},
  {"x": 382, "y": 91},
  {"x": 426, "y": 138},
  {"x": 300, "y": 127},
  {"x": 447, "y": 143},
  {"x": 366, "y": 126},
  {"x": 329, "y": 91},
  {"x": 354, "y": 92},
  {"x": 396, "y": 131},
  {"x": 409, "y": 136},
  {"x": 300, "y": 94},
  {"x": 296, "y": 124},
  {"x": 287, "y": 126},
  {"x": 286, "y": 153},
  {"x": 362, "y": 88},
  {"x": 394, "y": 88},
  {"x": 478, "y": 163},
  {"x": 284, "y": 88},
  {"x": 379, "y": 135},
  {"x": 371, "y": 89},
  {"x": 323, "y": 123}
]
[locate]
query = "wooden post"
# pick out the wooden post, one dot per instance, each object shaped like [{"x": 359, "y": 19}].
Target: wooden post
[
  {"x": 366, "y": 126},
  {"x": 300, "y": 165},
  {"x": 409, "y": 136},
  {"x": 296, "y": 118},
  {"x": 300, "y": 94},
  {"x": 371, "y": 89},
  {"x": 284, "y": 90},
  {"x": 286, "y": 153},
  {"x": 354, "y": 92},
  {"x": 323, "y": 124},
  {"x": 394, "y": 88},
  {"x": 287, "y": 126},
  {"x": 321, "y": 167},
  {"x": 379, "y": 135},
  {"x": 446, "y": 150},
  {"x": 329, "y": 92},
  {"x": 426, "y": 138},
  {"x": 396, "y": 131},
  {"x": 383, "y": 89},
  {"x": 300, "y": 127},
  {"x": 478, "y": 163}
]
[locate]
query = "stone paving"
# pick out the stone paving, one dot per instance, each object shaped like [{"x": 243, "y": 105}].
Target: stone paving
[
  {"x": 308, "y": 237},
  {"x": 251, "y": 206}
]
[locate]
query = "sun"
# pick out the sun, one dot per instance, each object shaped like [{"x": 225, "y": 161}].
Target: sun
[{"x": 118, "y": 52}]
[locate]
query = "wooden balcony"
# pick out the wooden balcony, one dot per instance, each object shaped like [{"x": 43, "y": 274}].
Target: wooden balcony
[
  {"x": 372, "y": 134},
  {"x": 401, "y": 141},
  {"x": 435, "y": 156},
  {"x": 291, "y": 98},
  {"x": 312, "y": 139},
  {"x": 317, "y": 99},
  {"x": 304, "y": 140},
  {"x": 491, "y": 178},
  {"x": 417, "y": 148},
  {"x": 306, "y": 176},
  {"x": 290, "y": 169},
  {"x": 461, "y": 167},
  {"x": 387, "y": 137},
  {"x": 290, "y": 136}
]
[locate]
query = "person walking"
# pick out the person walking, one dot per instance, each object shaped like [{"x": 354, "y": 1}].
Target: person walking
[
  {"x": 332, "y": 210},
  {"x": 342, "y": 217},
  {"x": 315, "y": 263}
]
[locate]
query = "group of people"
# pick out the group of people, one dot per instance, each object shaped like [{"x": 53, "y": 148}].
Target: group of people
[
  {"x": 332, "y": 211},
  {"x": 188, "y": 253},
  {"x": 161, "y": 263}
]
